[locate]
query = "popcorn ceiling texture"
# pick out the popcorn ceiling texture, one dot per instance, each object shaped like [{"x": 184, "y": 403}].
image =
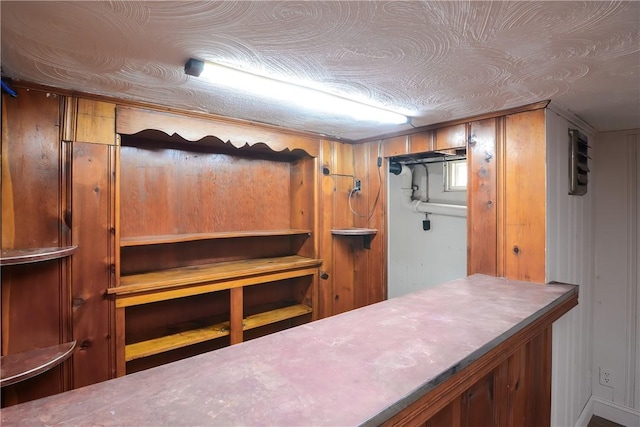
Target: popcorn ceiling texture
[{"x": 435, "y": 61}]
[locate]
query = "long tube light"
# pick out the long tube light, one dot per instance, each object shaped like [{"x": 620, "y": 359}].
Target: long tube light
[{"x": 290, "y": 93}]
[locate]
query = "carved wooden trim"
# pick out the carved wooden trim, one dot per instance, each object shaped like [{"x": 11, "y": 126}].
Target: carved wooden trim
[{"x": 131, "y": 120}]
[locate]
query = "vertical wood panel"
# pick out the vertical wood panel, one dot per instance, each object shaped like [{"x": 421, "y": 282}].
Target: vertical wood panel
[
  {"x": 35, "y": 296},
  {"x": 501, "y": 390},
  {"x": 421, "y": 142},
  {"x": 518, "y": 389},
  {"x": 31, "y": 168},
  {"x": 500, "y": 195},
  {"x": 303, "y": 201},
  {"x": 343, "y": 248},
  {"x": 96, "y": 122},
  {"x": 477, "y": 404},
  {"x": 451, "y": 137},
  {"x": 168, "y": 191},
  {"x": 326, "y": 282},
  {"x": 236, "y": 315},
  {"x": 525, "y": 196},
  {"x": 361, "y": 206},
  {"x": 450, "y": 416},
  {"x": 539, "y": 361},
  {"x": 481, "y": 199},
  {"x": 377, "y": 255},
  {"x": 396, "y": 146},
  {"x": 93, "y": 263},
  {"x": 120, "y": 338}
]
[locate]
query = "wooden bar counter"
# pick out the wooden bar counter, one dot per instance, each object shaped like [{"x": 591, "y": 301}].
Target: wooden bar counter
[{"x": 474, "y": 351}]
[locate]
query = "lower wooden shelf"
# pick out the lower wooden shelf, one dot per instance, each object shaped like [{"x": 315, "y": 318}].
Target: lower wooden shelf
[
  {"x": 195, "y": 336},
  {"x": 22, "y": 366},
  {"x": 273, "y": 316},
  {"x": 174, "y": 341}
]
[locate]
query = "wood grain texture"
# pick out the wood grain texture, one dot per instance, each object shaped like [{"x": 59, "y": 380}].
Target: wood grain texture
[
  {"x": 478, "y": 402},
  {"x": 525, "y": 196},
  {"x": 131, "y": 120},
  {"x": 206, "y": 273},
  {"x": 33, "y": 296},
  {"x": 481, "y": 199},
  {"x": 361, "y": 204},
  {"x": 448, "y": 137},
  {"x": 303, "y": 198},
  {"x": 21, "y": 366},
  {"x": 93, "y": 266},
  {"x": 343, "y": 249},
  {"x": 169, "y": 191},
  {"x": 421, "y": 142},
  {"x": 376, "y": 191},
  {"x": 28, "y": 256},
  {"x": 325, "y": 213},
  {"x": 236, "y": 315},
  {"x": 171, "y": 342},
  {"x": 31, "y": 170},
  {"x": 396, "y": 146},
  {"x": 96, "y": 122},
  {"x": 190, "y": 237}
]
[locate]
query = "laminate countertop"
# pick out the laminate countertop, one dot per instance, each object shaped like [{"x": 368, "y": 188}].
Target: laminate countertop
[{"x": 359, "y": 367}]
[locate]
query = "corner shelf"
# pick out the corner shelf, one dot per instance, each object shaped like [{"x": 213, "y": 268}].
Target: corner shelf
[
  {"x": 190, "y": 237},
  {"x": 22, "y": 366},
  {"x": 28, "y": 256},
  {"x": 367, "y": 234}
]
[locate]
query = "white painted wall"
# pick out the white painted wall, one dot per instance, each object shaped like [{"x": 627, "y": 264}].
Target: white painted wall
[
  {"x": 569, "y": 259},
  {"x": 616, "y": 296},
  {"x": 417, "y": 258}
]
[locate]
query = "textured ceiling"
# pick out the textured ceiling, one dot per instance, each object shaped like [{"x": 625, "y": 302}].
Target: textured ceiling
[{"x": 436, "y": 61}]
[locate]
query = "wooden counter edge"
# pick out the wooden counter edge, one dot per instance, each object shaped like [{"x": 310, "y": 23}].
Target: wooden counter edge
[{"x": 412, "y": 411}]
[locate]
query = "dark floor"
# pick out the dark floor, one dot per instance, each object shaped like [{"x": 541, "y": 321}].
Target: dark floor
[{"x": 601, "y": 422}]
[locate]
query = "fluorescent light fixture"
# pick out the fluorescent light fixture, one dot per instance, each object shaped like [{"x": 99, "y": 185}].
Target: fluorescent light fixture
[{"x": 290, "y": 93}]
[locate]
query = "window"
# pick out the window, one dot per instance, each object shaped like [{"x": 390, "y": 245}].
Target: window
[{"x": 455, "y": 175}]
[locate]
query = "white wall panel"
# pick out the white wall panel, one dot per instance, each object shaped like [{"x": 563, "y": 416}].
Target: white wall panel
[
  {"x": 569, "y": 258},
  {"x": 616, "y": 302},
  {"x": 417, "y": 258}
]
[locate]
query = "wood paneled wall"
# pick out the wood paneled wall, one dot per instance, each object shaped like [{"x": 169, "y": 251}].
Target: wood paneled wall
[
  {"x": 353, "y": 275},
  {"x": 35, "y": 297},
  {"x": 509, "y": 387},
  {"x": 61, "y": 159}
]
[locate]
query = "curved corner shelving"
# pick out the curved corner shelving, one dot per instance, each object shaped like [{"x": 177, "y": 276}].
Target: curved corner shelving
[
  {"x": 28, "y": 256},
  {"x": 22, "y": 366},
  {"x": 366, "y": 233}
]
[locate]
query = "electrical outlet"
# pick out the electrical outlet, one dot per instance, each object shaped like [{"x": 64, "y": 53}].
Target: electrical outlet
[{"x": 606, "y": 377}]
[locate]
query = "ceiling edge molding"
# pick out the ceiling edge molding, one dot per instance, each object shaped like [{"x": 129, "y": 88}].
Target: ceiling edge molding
[{"x": 568, "y": 115}]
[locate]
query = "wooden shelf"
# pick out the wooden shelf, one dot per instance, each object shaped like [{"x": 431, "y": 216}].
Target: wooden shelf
[
  {"x": 195, "y": 336},
  {"x": 366, "y": 233},
  {"x": 274, "y": 316},
  {"x": 174, "y": 341},
  {"x": 27, "y": 256},
  {"x": 177, "y": 238},
  {"x": 22, "y": 366},
  {"x": 193, "y": 280}
]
